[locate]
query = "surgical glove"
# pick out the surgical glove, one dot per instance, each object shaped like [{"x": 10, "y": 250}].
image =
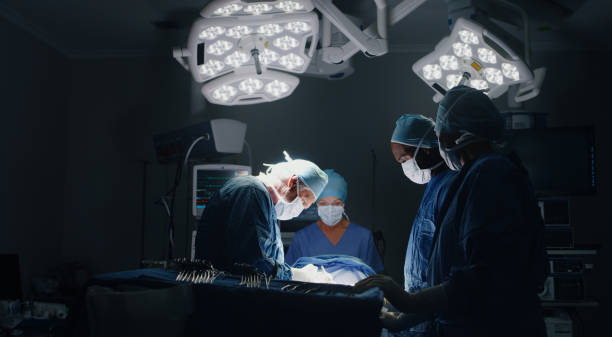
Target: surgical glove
[
  {"x": 310, "y": 273},
  {"x": 396, "y": 321},
  {"x": 393, "y": 292}
]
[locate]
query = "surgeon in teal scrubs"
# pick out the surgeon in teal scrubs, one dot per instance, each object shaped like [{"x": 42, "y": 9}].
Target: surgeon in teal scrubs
[{"x": 333, "y": 233}]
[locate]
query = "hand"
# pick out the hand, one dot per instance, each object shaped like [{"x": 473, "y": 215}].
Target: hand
[
  {"x": 393, "y": 292},
  {"x": 391, "y": 321}
]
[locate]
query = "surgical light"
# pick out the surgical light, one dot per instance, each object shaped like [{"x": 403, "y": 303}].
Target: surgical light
[
  {"x": 452, "y": 80},
  {"x": 220, "y": 47},
  {"x": 211, "y": 67},
  {"x": 462, "y": 49},
  {"x": 250, "y": 85},
  {"x": 432, "y": 72},
  {"x": 449, "y": 62},
  {"x": 494, "y": 75},
  {"x": 291, "y": 61},
  {"x": 236, "y": 59},
  {"x": 289, "y": 6},
  {"x": 487, "y": 55},
  {"x": 228, "y": 10},
  {"x": 286, "y": 42},
  {"x": 268, "y": 57},
  {"x": 244, "y": 86},
  {"x": 270, "y": 29},
  {"x": 471, "y": 49},
  {"x": 211, "y": 32},
  {"x": 221, "y": 8},
  {"x": 247, "y": 40},
  {"x": 258, "y": 9},
  {"x": 479, "y": 84},
  {"x": 510, "y": 71},
  {"x": 277, "y": 88},
  {"x": 238, "y": 31},
  {"x": 297, "y": 27},
  {"x": 467, "y": 36},
  {"x": 224, "y": 93}
]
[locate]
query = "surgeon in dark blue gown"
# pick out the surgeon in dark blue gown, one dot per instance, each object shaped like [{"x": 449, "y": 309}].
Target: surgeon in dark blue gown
[
  {"x": 240, "y": 223},
  {"x": 488, "y": 260},
  {"x": 415, "y": 146}
]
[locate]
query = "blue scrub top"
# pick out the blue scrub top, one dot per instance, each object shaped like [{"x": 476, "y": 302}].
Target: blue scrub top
[
  {"x": 423, "y": 228},
  {"x": 489, "y": 253},
  {"x": 239, "y": 225},
  {"x": 356, "y": 241}
]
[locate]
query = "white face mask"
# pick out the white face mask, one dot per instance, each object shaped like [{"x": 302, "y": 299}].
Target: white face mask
[
  {"x": 288, "y": 210},
  {"x": 414, "y": 172},
  {"x": 451, "y": 156},
  {"x": 330, "y": 215}
]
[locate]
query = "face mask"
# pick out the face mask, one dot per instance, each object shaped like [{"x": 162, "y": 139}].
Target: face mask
[
  {"x": 451, "y": 156},
  {"x": 330, "y": 215},
  {"x": 414, "y": 172},
  {"x": 289, "y": 210}
]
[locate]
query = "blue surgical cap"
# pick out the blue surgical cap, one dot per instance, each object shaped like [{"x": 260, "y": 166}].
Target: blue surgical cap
[
  {"x": 410, "y": 129},
  {"x": 467, "y": 110},
  {"x": 310, "y": 174},
  {"x": 336, "y": 186}
]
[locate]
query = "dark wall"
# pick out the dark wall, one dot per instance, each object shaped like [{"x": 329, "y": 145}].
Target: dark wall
[
  {"x": 576, "y": 93},
  {"x": 108, "y": 134},
  {"x": 34, "y": 104}
]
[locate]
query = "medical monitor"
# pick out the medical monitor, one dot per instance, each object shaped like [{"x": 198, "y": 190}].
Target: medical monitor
[{"x": 208, "y": 179}]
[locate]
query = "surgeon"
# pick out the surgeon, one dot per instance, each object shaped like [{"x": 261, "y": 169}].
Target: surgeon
[
  {"x": 334, "y": 234},
  {"x": 487, "y": 262},
  {"x": 240, "y": 223},
  {"x": 415, "y": 146}
]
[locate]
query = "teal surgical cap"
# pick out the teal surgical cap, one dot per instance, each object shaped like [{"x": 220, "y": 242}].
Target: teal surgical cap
[
  {"x": 410, "y": 129},
  {"x": 467, "y": 110},
  {"x": 309, "y": 173},
  {"x": 336, "y": 186}
]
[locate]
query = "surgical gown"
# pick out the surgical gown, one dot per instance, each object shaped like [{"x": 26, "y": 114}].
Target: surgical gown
[
  {"x": 489, "y": 253},
  {"x": 356, "y": 241},
  {"x": 421, "y": 237},
  {"x": 239, "y": 225}
]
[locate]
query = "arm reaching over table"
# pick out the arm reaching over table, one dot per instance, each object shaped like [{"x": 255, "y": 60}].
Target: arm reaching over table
[{"x": 429, "y": 300}]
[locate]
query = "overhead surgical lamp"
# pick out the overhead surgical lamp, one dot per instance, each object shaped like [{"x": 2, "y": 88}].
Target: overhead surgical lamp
[
  {"x": 478, "y": 57},
  {"x": 249, "y": 51}
]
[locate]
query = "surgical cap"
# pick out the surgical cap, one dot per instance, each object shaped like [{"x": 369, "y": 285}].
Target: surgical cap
[
  {"x": 336, "y": 186},
  {"x": 411, "y": 129},
  {"x": 467, "y": 110},
  {"x": 308, "y": 172}
]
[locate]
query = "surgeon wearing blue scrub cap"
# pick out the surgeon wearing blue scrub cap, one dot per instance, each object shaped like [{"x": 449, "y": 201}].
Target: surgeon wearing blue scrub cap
[
  {"x": 240, "y": 222},
  {"x": 487, "y": 263},
  {"x": 334, "y": 233}
]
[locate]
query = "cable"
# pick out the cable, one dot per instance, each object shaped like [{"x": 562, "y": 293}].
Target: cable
[
  {"x": 191, "y": 148},
  {"x": 163, "y": 200},
  {"x": 249, "y": 152}
]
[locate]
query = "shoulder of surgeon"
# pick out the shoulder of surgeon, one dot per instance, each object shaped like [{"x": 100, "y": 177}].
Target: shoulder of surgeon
[
  {"x": 495, "y": 166},
  {"x": 245, "y": 184},
  {"x": 360, "y": 229}
]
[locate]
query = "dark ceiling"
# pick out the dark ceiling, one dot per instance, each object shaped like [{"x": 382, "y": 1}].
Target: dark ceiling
[{"x": 81, "y": 28}]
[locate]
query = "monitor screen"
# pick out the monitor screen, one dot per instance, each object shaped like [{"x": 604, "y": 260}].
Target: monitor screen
[
  {"x": 208, "y": 179},
  {"x": 560, "y": 161}
]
